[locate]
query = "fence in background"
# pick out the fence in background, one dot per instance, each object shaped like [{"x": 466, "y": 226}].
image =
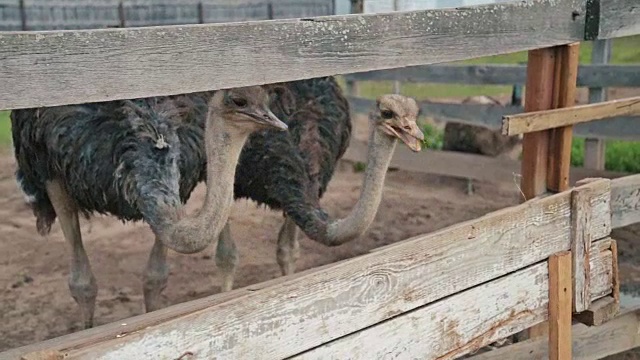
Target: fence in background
[{"x": 89, "y": 14}]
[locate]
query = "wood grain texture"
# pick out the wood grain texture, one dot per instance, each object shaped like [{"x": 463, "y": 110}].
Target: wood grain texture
[
  {"x": 560, "y": 138},
  {"x": 589, "y": 75},
  {"x": 619, "y": 18},
  {"x": 580, "y": 246},
  {"x": 596, "y": 342},
  {"x": 625, "y": 201},
  {"x": 549, "y": 119},
  {"x": 64, "y": 67},
  {"x": 539, "y": 96},
  {"x": 490, "y": 116},
  {"x": 360, "y": 292},
  {"x": 560, "y": 306},
  {"x": 457, "y": 325}
]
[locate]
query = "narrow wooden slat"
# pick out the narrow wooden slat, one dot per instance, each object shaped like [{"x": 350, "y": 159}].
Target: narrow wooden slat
[
  {"x": 559, "y": 161},
  {"x": 549, "y": 119},
  {"x": 67, "y": 67},
  {"x": 360, "y": 292},
  {"x": 560, "y": 306},
  {"x": 590, "y": 75},
  {"x": 625, "y": 201},
  {"x": 490, "y": 116},
  {"x": 457, "y": 325},
  {"x": 539, "y": 96}
]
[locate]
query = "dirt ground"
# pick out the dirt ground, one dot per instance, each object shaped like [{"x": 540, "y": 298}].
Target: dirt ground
[{"x": 36, "y": 305}]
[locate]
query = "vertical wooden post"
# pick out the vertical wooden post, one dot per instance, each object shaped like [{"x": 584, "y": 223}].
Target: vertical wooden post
[
  {"x": 594, "y": 149},
  {"x": 535, "y": 145},
  {"x": 200, "y": 13},
  {"x": 121, "y": 15},
  {"x": 566, "y": 76},
  {"x": 560, "y": 342},
  {"x": 270, "y": 11},
  {"x": 396, "y": 84},
  {"x": 23, "y": 15},
  {"x": 546, "y": 155}
]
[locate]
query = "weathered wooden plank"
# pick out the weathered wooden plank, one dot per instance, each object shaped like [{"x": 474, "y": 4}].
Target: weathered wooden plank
[
  {"x": 63, "y": 67},
  {"x": 589, "y": 342},
  {"x": 362, "y": 291},
  {"x": 559, "y": 161},
  {"x": 581, "y": 243},
  {"x": 560, "y": 306},
  {"x": 619, "y": 18},
  {"x": 589, "y": 75},
  {"x": 136, "y": 323},
  {"x": 460, "y": 324},
  {"x": 490, "y": 116},
  {"x": 625, "y": 201},
  {"x": 549, "y": 119}
]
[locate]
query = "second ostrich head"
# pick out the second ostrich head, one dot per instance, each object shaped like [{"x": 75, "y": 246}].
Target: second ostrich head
[{"x": 396, "y": 116}]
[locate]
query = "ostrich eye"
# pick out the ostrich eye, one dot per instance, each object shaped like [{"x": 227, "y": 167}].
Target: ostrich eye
[
  {"x": 239, "y": 102},
  {"x": 386, "y": 114}
]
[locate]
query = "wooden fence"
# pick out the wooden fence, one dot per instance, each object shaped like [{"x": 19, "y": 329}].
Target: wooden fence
[
  {"x": 90, "y": 14},
  {"x": 440, "y": 295}
]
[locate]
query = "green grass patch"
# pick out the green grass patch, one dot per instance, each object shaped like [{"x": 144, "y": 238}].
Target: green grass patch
[{"x": 5, "y": 129}]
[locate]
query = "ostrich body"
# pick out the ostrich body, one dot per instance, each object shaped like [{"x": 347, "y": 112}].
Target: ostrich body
[
  {"x": 290, "y": 171},
  {"x": 137, "y": 160}
]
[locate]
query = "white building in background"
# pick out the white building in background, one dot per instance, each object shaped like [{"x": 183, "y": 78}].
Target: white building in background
[{"x": 382, "y": 6}]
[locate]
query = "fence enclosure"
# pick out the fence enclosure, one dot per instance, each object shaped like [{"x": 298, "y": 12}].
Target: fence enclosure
[{"x": 438, "y": 296}]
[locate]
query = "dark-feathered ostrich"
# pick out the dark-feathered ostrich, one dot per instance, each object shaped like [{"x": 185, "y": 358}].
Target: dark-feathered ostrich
[
  {"x": 136, "y": 160},
  {"x": 290, "y": 171}
]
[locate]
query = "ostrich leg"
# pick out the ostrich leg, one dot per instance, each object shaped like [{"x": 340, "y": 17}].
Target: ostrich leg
[
  {"x": 227, "y": 257},
  {"x": 82, "y": 283},
  {"x": 288, "y": 247},
  {"x": 155, "y": 276}
]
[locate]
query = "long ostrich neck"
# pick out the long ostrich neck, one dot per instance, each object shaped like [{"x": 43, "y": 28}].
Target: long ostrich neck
[
  {"x": 380, "y": 152},
  {"x": 223, "y": 144}
]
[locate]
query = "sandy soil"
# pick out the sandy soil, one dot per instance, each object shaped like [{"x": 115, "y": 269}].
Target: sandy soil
[{"x": 36, "y": 305}]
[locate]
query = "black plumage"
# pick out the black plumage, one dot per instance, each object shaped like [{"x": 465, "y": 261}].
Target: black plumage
[
  {"x": 291, "y": 170},
  {"x": 119, "y": 157}
]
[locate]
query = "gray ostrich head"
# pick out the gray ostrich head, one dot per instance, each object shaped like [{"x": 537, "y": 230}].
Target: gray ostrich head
[
  {"x": 245, "y": 107},
  {"x": 397, "y": 116}
]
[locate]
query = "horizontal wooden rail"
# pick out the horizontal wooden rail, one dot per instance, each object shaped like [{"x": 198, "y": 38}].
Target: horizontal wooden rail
[
  {"x": 550, "y": 119},
  {"x": 612, "y": 18},
  {"x": 625, "y": 201},
  {"x": 589, "y": 342},
  {"x": 500, "y": 74},
  {"x": 66, "y": 67},
  {"x": 490, "y": 116},
  {"x": 467, "y": 321},
  {"x": 362, "y": 291}
]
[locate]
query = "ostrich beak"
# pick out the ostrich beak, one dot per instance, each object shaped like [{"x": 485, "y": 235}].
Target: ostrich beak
[
  {"x": 411, "y": 136},
  {"x": 265, "y": 117}
]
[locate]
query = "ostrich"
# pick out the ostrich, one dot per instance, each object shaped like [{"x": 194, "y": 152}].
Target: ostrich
[
  {"x": 290, "y": 171},
  {"x": 137, "y": 160}
]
